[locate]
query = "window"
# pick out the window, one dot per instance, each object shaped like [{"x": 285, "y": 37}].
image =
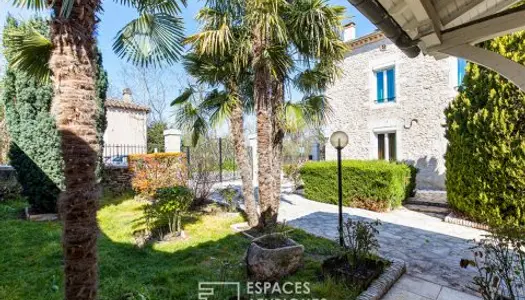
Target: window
[
  {"x": 462, "y": 65},
  {"x": 386, "y": 146},
  {"x": 386, "y": 85}
]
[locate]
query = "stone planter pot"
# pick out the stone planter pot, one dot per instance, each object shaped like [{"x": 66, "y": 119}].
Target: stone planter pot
[{"x": 273, "y": 256}]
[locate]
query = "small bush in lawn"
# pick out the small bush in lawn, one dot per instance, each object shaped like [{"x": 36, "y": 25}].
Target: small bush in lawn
[
  {"x": 375, "y": 185},
  {"x": 168, "y": 208},
  {"x": 228, "y": 194},
  {"x": 293, "y": 173},
  {"x": 158, "y": 170},
  {"x": 360, "y": 239}
]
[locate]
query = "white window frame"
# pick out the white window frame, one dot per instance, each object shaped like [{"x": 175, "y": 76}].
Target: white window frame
[
  {"x": 378, "y": 65},
  {"x": 375, "y": 141}
]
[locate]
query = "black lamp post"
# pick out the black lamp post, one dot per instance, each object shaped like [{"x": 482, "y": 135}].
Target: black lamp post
[{"x": 339, "y": 140}]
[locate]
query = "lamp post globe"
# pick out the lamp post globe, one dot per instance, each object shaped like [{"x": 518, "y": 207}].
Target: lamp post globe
[{"x": 339, "y": 139}]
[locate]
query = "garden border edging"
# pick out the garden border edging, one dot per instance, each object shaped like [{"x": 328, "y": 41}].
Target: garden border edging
[
  {"x": 382, "y": 285},
  {"x": 453, "y": 219}
]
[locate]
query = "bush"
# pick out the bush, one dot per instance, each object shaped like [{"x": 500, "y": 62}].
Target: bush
[
  {"x": 485, "y": 158},
  {"x": 374, "y": 185},
  {"x": 293, "y": 173},
  {"x": 228, "y": 194},
  {"x": 35, "y": 144},
  {"x": 500, "y": 262},
  {"x": 167, "y": 208},
  {"x": 9, "y": 187},
  {"x": 159, "y": 170}
]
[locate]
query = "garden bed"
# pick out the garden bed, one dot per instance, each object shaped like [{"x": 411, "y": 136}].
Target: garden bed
[{"x": 379, "y": 275}]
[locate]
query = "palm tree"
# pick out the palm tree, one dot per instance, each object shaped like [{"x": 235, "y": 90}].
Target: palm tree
[
  {"x": 277, "y": 50},
  {"x": 69, "y": 60},
  {"x": 230, "y": 72}
]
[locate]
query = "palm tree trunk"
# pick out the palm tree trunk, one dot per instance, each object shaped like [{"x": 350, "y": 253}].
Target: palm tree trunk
[
  {"x": 278, "y": 136},
  {"x": 74, "y": 107},
  {"x": 241, "y": 156},
  {"x": 263, "y": 108}
]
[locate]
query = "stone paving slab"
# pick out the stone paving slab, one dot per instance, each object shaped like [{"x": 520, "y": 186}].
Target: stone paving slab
[{"x": 431, "y": 248}]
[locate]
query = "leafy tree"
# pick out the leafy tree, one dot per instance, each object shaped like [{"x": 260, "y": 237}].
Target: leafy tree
[
  {"x": 70, "y": 56},
  {"x": 485, "y": 158},
  {"x": 156, "y": 136}
]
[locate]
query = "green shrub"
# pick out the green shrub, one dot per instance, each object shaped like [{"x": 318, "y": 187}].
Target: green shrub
[
  {"x": 293, "y": 173},
  {"x": 35, "y": 144},
  {"x": 168, "y": 207},
  {"x": 228, "y": 194},
  {"x": 374, "y": 185},
  {"x": 485, "y": 158}
]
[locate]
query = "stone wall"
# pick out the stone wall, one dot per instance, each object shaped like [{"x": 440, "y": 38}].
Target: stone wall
[
  {"x": 9, "y": 187},
  {"x": 116, "y": 179},
  {"x": 424, "y": 87}
]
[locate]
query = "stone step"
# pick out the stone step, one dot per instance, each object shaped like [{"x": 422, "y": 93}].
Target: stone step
[
  {"x": 428, "y": 209},
  {"x": 415, "y": 201}
]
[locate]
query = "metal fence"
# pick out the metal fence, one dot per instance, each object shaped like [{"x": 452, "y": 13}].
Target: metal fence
[
  {"x": 117, "y": 155},
  {"x": 216, "y": 157}
]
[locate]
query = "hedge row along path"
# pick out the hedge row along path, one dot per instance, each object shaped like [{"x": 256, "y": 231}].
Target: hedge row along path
[{"x": 431, "y": 248}]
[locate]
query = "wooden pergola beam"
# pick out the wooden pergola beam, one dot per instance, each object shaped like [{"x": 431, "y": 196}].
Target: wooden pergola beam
[
  {"x": 481, "y": 30},
  {"x": 507, "y": 68}
]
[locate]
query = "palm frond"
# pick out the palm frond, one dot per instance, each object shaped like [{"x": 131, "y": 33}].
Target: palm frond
[
  {"x": 29, "y": 51},
  {"x": 190, "y": 119},
  {"x": 320, "y": 27},
  {"x": 277, "y": 60},
  {"x": 151, "y": 39},
  {"x": 219, "y": 105},
  {"x": 216, "y": 37},
  {"x": 171, "y": 7},
  {"x": 316, "y": 109},
  {"x": 294, "y": 118},
  {"x": 31, "y": 4},
  {"x": 184, "y": 97}
]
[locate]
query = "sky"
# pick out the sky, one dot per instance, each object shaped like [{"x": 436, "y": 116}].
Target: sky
[{"x": 115, "y": 16}]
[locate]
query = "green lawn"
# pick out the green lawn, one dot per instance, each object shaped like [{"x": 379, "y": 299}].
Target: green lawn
[{"x": 31, "y": 258}]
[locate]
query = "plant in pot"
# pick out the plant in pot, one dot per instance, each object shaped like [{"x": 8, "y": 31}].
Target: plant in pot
[
  {"x": 273, "y": 256},
  {"x": 357, "y": 264}
]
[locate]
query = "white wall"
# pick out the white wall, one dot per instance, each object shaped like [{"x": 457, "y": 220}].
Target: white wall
[
  {"x": 424, "y": 87},
  {"x": 126, "y": 127}
]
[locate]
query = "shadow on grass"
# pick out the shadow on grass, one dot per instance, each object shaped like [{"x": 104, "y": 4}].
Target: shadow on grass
[{"x": 31, "y": 259}]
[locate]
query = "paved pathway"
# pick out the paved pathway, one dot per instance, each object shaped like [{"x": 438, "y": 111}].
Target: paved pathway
[{"x": 431, "y": 248}]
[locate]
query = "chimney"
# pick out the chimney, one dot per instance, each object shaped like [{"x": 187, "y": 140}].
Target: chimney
[
  {"x": 349, "y": 32},
  {"x": 127, "y": 95}
]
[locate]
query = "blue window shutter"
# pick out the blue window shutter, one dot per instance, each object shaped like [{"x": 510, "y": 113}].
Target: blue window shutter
[
  {"x": 462, "y": 65},
  {"x": 380, "y": 87},
  {"x": 391, "y": 85}
]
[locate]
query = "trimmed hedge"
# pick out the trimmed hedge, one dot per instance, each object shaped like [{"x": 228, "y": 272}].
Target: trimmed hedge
[
  {"x": 374, "y": 185},
  {"x": 158, "y": 170}
]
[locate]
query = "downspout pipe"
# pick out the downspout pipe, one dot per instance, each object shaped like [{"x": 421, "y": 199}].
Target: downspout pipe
[{"x": 375, "y": 12}]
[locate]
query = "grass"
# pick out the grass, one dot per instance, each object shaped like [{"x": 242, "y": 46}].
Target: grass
[{"x": 31, "y": 257}]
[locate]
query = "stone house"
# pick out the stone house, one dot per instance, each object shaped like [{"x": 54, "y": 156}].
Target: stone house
[
  {"x": 126, "y": 131},
  {"x": 391, "y": 106}
]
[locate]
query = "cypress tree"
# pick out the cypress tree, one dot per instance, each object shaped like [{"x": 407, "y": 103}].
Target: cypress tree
[
  {"x": 485, "y": 158},
  {"x": 35, "y": 142}
]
